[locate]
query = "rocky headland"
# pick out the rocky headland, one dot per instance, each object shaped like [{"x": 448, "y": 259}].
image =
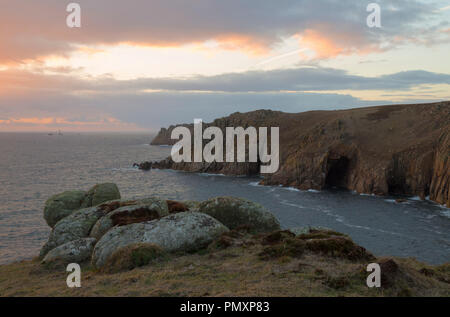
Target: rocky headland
[
  {"x": 224, "y": 246},
  {"x": 384, "y": 150}
]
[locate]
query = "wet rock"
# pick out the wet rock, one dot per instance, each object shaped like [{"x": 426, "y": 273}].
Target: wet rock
[
  {"x": 235, "y": 212},
  {"x": 145, "y": 166},
  {"x": 61, "y": 205},
  {"x": 76, "y": 251},
  {"x": 186, "y": 231}
]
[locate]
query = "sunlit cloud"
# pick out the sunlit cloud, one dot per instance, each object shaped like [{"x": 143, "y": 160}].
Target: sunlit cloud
[
  {"x": 173, "y": 58},
  {"x": 66, "y": 124}
]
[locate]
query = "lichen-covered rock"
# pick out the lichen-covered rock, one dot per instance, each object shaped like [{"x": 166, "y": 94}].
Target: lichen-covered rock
[
  {"x": 186, "y": 231},
  {"x": 62, "y": 205},
  {"x": 76, "y": 251},
  {"x": 176, "y": 206},
  {"x": 73, "y": 227},
  {"x": 132, "y": 256},
  {"x": 101, "y": 193},
  {"x": 145, "y": 210},
  {"x": 235, "y": 212},
  {"x": 192, "y": 205}
]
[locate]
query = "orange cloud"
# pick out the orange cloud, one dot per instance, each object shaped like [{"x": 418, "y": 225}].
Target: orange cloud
[
  {"x": 323, "y": 47},
  {"x": 242, "y": 42},
  {"x": 328, "y": 44},
  {"x": 52, "y": 123}
]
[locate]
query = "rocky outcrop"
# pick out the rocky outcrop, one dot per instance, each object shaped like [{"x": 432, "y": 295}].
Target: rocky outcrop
[
  {"x": 75, "y": 226},
  {"x": 141, "y": 211},
  {"x": 398, "y": 149},
  {"x": 440, "y": 180},
  {"x": 237, "y": 212},
  {"x": 186, "y": 231},
  {"x": 127, "y": 233},
  {"x": 62, "y": 205},
  {"x": 77, "y": 251},
  {"x": 101, "y": 193},
  {"x": 163, "y": 137},
  {"x": 132, "y": 256}
]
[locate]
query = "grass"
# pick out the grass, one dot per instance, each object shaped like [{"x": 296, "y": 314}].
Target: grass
[{"x": 233, "y": 269}]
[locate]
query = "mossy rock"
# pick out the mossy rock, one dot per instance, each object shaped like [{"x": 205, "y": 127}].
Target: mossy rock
[
  {"x": 61, "y": 205},
  {"x": 75, "y": 226},
  {"x": 337, "y": 246},
  {"x": 180, "y": 232},
  {"x": 291, "y": 247},
  {"x": 101, "y": 193},
  {"x": 132, "y": 256},
  {"x": 236, "y": 212},
  {"x": 322, "y": 241}
]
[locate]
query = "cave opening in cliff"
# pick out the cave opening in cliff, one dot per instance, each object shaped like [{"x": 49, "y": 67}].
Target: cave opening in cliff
[{"x": 337, "y": 175}]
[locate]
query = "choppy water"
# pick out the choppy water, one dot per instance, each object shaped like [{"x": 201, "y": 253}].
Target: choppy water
[{"x": 36, "y": 166}]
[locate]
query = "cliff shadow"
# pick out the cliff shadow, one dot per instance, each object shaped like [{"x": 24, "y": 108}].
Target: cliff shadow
[{"x": 338, "y": 172}]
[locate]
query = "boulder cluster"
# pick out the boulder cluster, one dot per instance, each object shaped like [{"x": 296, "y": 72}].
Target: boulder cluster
[{"x": 100, "y": 227}]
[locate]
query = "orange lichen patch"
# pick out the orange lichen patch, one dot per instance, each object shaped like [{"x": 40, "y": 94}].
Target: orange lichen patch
[
  {"x": 175, "y": 206},
  {"x": 137, "y": 215},
  {"x": 110, "y": 206}
]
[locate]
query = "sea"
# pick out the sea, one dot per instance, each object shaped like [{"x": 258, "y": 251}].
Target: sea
[{"x": 35, "y": 166}]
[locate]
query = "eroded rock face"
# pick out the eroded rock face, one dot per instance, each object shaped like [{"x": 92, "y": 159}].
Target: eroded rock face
[
  {"x": 73, "y": 227},
  {"x": 236, "y": 212},
  {"x": 398, "y": 149},
  {"x": 62, "y": 205},
  {"x": 101, "y": 193},
  {"x": 440, "y": 183},
  {"x": 76, "y": 251},
  {"x": 186, "y": 231}
]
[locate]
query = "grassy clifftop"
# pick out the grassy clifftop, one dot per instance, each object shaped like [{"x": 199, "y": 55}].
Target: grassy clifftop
[{"x": 239, "y": 264}]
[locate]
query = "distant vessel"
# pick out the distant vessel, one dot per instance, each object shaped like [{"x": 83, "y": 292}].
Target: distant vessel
[{"x": 57, "y": 133}]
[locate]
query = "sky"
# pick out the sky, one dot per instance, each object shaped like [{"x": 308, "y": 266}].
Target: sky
[{"x": 141, "y": 65}]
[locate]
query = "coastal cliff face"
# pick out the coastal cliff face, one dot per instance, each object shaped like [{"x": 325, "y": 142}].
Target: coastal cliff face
[{"x": 399, "y": 149}]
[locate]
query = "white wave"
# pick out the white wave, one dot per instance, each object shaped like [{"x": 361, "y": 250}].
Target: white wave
[
  {"x": 293, "y": 189},
  {"x": 211, "y": 174}
]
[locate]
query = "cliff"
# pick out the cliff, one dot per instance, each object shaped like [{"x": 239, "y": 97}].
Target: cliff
[{"x": 398, "y": 149}]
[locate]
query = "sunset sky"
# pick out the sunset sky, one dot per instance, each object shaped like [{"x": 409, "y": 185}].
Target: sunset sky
[{"x": 139, "y": 65}]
